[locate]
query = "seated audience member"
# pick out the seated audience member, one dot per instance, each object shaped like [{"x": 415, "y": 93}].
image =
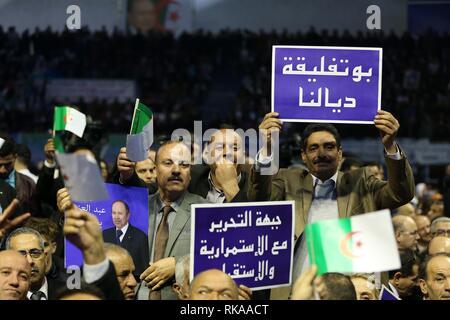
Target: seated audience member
[
  {"x": 424, "y": 230},
  {"x": 24, "y": 186},
  {"x": 403, "y": 281},
  {"x": 124, "y": 267},
  {"x": 436, "y": 210},
  {"x": 407, "y": 210},
  {"x": 127, "y": 171},
  {"x": 30, "y": 244},
  {"x": 439, "y": 244},
  {"x": 213, "y": 284},
  {"x": 364, "y": 286},
  {"x": 350, "y": 164},
  {"x": 376, "y": 169},
  {"x": 441, "y": 227},
  {"x": 434, "y": 277},
  {"x": 49, "y": 231},
  {"x": 406, "y": 233},
  {"x": 337, "y": 287},
  {"x": 181, "y": 285},
  {"x": 23, "y": 161},
  {"x": 85, "y": 292},
  {"x": 15, "y": 273}
]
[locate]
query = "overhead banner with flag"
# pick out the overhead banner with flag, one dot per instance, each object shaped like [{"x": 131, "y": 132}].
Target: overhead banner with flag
[
  {"x": 140, "y": 138},
  {"x": 159, "y": 15},
  {"x": 364, "y": 243}
]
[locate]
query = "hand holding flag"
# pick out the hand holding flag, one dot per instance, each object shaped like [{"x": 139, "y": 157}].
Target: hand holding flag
[{"x": 140, "y": 138}]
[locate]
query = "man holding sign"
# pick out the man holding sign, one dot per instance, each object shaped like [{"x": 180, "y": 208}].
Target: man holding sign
[{"x": 323, "y": 192}]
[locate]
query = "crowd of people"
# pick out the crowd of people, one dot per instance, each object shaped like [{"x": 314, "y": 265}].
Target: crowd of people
[
  {"x": 126, "y": 263},
  {"x": 175, "y": 75}
]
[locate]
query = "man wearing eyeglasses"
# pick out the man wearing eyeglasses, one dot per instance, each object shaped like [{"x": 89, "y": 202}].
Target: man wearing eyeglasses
[
  {"x": 405, "y": 232},
  {"x": 29, "y": 243},
  {"x": 441, "y": 227},
  {"x": 24, "y": 186}
]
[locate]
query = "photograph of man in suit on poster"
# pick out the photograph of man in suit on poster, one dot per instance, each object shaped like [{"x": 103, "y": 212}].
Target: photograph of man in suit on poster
[{"x": 132, "y": 239}]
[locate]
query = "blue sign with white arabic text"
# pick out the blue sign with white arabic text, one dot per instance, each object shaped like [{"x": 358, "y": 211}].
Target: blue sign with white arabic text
[
  {"x": 252, "y": 242},
  {"x": 326, "y": 84}
]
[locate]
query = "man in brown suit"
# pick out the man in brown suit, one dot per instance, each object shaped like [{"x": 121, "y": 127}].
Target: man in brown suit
[{"x": 323, "y": 192}]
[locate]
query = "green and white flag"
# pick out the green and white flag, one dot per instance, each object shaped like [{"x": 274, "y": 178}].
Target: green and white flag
[
  {"x": 69, "y": 119},
  {"x": 364, "y": 243},
  {"x": 2, "y": 141},
  {"x": 140, "y": 138}
]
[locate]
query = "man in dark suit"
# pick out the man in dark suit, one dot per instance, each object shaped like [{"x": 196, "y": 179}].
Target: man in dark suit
[
  {"x": 323, "y": 192},
  {"x": 24, "y": 186},
  {"x": 225, "y": 177},
  {"x": 132, "y": 239}
]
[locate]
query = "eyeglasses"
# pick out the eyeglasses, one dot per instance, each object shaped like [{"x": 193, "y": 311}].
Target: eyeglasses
[
  {"x": 442, "y": 232},
  {"x": 34, "y": 253},
  {"x": 7, "y": 164}
]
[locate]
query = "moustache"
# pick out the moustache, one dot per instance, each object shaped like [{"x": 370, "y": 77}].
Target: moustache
[
  {"x": 175, "y": 178},
  {"x": 322, "y": 160}
]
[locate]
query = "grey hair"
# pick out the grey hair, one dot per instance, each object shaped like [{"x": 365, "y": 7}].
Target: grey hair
[
  {"x": 111, "y": 247},
  {"x": 436, "y": 221},
  {"x": 180, "y": 269},
  {"x": 25, "y": 230}
]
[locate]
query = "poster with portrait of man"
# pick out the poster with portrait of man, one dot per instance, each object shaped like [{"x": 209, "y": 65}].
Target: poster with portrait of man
[
  {"x": 159, "y": 15},
  {"x": 124, "y": 221}
]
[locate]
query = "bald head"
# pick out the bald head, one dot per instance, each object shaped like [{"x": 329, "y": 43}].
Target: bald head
[
  {"x": 406, "y": 232},
  {"x": 439, "y": 244},
  {"x": 124, "y": 267},
  {"x": 423, "y": 227},
  {"x": 213, "y": 284},
  {"x": 406, "y": 210},
  {"x": 14, "y": 275}
]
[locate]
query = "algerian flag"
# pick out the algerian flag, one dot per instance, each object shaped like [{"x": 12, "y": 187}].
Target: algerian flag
[
  {"x": 364, "y": 243},
  {"x": 82, "y": 177},
  {"x": 69, "y": 119},
  {"x": 140, "y": 138},
  {"x": 2, "y": 141}
]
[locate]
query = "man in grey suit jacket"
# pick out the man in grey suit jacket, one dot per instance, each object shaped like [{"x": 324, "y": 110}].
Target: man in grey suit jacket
[{"x": 170, "y": 208}]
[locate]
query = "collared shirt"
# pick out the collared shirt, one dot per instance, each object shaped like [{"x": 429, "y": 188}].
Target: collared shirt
[
  {"x": 43, "y": 289},
  {"x": 11, "y": 180},
  {"x": 215, "y": 195},
  {"x": 124, "y": 230},
  {"x": 170, "y": 219},
  {"x": 321, "y": 209},
  {"x": 27, "y": 173}
]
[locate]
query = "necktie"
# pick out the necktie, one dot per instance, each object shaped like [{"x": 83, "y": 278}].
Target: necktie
[
  {"x": 38, "y": 295},
  {"x": 118, "y": 235},
  {"x": 324, "y": 190},
  {"x": 162, "y": 235}
]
